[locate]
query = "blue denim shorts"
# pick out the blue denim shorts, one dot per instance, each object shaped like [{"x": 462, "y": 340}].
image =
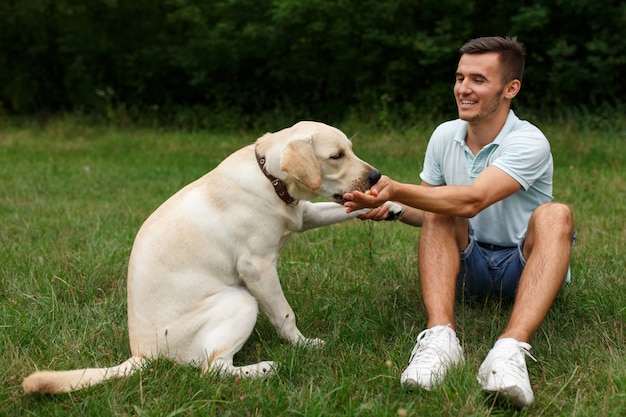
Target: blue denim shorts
[{"x": 491, "y": 270}]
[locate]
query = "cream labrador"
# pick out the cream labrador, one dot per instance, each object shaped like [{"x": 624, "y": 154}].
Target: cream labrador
[{"x": 205, "y": 259}]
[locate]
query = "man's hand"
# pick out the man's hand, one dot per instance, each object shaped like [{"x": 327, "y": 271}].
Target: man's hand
[{"x": 377, "y": 214}]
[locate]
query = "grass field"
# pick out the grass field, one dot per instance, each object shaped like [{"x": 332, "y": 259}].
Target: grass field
[{"x": 72, "y": 197}]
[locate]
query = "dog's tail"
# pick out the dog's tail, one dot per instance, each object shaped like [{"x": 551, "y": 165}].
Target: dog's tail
[{"x": 53, "y": 382}]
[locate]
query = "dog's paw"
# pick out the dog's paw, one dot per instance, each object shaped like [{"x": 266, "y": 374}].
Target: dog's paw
[
  {"x": 314, "y": 343},
  {"x": 395, "y": 211},
  {"x": 256, "y": 370}
]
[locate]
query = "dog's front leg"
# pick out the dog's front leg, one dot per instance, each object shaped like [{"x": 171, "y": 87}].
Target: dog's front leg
[
  {"x": 262, "y": 281},
  {"x": 326, "y": 213}
]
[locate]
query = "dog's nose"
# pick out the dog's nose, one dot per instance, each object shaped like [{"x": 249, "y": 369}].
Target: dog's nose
[{"x": 373, "y": 177}]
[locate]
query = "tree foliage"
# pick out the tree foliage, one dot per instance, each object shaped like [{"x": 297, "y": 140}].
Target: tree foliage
[{"x": 316, "y": 57}]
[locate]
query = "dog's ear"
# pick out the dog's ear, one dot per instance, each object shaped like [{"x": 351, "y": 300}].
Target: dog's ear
[{"x": 299, "y": 161}]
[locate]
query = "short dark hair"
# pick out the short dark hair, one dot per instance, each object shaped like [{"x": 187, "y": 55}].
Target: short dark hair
[{"x": 511, "y": 52}]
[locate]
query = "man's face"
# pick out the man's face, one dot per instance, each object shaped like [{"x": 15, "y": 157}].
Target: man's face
[{"x": 479, "y": 90}]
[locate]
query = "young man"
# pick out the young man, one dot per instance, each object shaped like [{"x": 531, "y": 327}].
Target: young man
[{"x": 488, "y": 224}]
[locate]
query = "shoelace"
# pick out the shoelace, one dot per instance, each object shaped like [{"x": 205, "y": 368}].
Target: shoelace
[
  {"x": 511, "y": 358},
  {"x": 430, "y": 350}
]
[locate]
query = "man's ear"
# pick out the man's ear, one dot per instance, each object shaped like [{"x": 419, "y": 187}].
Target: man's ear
[
  {"x": 298, "y": 160},
  {"x": 512, "y": 88}
]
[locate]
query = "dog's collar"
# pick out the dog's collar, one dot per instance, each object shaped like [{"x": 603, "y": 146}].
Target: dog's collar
[{"x": 279, "y": 187}]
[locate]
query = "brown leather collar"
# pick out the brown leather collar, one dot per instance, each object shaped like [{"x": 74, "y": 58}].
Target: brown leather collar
[{"x": 279, "y": 187}]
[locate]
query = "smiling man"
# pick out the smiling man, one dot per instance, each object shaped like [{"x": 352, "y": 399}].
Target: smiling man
[{"x": 489, "y": 226}]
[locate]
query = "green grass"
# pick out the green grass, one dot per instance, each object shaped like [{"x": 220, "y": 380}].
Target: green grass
[{"x": 72, "y": 197}]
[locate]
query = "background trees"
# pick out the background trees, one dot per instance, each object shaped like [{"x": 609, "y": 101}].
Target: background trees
[{"x": 309, "y": 58}]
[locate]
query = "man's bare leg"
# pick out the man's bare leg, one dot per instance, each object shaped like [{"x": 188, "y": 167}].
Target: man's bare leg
[
  {"x": 441, "y": 240},
  {"x": 437, "y": 348},
  {"x": 547, "y": 250}
]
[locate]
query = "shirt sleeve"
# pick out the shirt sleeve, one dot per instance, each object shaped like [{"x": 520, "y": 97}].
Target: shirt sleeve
[
  {"x": 525, "y": 156},
  {"x": 432, "y": 172}
]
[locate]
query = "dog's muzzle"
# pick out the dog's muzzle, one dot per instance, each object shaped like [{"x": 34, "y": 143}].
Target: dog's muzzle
[{"x": 372, "y": 178}]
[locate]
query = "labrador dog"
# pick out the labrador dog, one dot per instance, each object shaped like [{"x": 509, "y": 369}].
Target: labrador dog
[{"x": 205, "y": 259}]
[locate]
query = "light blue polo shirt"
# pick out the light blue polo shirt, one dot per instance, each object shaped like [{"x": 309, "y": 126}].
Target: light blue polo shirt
[{"x": 520, "y": 149}]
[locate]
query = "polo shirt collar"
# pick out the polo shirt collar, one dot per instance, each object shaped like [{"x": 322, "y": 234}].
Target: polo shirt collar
[{"x": 510, "y": 123}]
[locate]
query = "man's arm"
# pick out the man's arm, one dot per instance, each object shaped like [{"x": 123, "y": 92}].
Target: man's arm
[{"x": 490, "y": 186}]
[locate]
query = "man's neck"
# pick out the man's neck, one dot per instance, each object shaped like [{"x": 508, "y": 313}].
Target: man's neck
[{"x": 483, "y": 133}]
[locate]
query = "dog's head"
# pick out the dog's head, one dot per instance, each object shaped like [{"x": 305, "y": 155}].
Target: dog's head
[{"x": 316, "y": 160}]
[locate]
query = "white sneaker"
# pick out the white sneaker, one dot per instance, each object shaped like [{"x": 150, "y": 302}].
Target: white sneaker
[
  {"x": 504, "y": 372},
  {"x": 437, "y": 350}
]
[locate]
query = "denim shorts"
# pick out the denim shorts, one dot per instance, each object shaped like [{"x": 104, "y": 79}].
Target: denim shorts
[{"x": 491, "y": 270}]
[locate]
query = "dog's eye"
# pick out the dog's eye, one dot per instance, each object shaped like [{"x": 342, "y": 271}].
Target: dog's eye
[{"x": 338, "y": 155}]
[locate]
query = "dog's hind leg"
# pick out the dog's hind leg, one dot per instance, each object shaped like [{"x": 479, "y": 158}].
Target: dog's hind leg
[{"x": 232, "y": 321}]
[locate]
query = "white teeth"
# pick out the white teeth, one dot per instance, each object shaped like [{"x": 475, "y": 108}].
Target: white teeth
[{"x": 467, "y": 102}]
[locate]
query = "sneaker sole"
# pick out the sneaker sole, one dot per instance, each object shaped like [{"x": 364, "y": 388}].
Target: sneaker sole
[{"x": 514, "y": 394}]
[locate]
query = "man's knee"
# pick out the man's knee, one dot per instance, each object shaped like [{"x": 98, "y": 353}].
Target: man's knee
[
  {"x": 455, "y": 227},
  {"x": 551, "y": 223},
  {"x": 553, "y": 215}
]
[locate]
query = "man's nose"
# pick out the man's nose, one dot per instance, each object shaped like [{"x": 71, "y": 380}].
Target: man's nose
[{"x": 463, "y": 86}]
